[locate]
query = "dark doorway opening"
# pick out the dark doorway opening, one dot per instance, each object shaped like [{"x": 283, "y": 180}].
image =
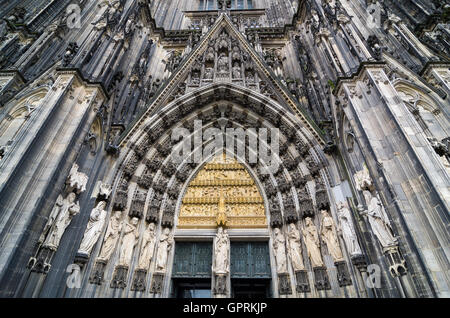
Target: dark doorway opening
[
  {"x": 192, "y": 288},
  {"x": 250, "y": 288}
]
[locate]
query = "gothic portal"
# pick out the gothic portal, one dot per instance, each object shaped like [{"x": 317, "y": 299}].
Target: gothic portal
[{"x": 291, "y": 149}]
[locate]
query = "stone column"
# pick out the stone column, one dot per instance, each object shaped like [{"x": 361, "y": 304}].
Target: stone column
[
  {"x": 402, "y": 164},
  {"x": 53, "y": 139}
]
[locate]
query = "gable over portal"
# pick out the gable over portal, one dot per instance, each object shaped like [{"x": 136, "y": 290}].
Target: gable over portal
[{"x": 222, "y": 56}]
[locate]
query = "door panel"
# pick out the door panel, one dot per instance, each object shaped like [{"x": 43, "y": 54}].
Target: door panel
[
  {"x": 192, "y": 259},
  {"x": 250, "y": 260},
  {"x": 239, "y": 260},
  {"x": 202, "y": 259},
  {"x": 260, "y": 260}
]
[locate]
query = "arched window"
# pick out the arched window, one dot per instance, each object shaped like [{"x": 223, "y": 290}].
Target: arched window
[
  {"x": 429, "y": 117},
  {"x": 14, "y": 121},
  {"x": 425, "y": 111}
]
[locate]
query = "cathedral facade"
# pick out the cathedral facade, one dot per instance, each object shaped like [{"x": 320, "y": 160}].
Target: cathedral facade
[{"x": 224, "y": 148}]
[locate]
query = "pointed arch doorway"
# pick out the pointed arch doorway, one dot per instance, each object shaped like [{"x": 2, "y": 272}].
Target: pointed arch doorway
[{"x": 222, "y": 195}]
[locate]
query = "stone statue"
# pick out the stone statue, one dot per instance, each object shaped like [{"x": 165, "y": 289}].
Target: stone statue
[
  {"x": 363, "y": 180},
  {"x": 77, "y": 180},
  {"x": 312, "y": 243},
  {"x": 295, "y": 248},
  {"x": 378, "y": 220},
  {"x": 329, "y": 236},
  {"x": 223, "y": 41},
  {"x": 348, "y": 231},
  {"x": 280, "y": 251},
  {"x": 104, "y": 190},
  {"x": 236, "y": 71},
  {"x": 250, "y": 79},
  {"x": 93, "y": 229},
  {"x": 130, "y": 23},
  {"x": 209, "y": 72},
  {"x": 52, "y": 218},
  {"x": 164, "y": 246},
  {"x": 222, "y": 63},
  {"x": 210, "y": 54},
  {"x": 148, "y": 247},
  {"x": 236, "y": 53},
  {"x": 131, "y": 234},
  {"x": 111, "y": 236},
  {"x": 221, "y": 252},
  {"x": 59, "y": 220}
]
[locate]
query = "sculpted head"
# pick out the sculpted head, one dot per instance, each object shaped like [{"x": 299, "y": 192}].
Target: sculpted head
[
  {"x": 71, "y": 197},
  {"x": 101, "y": 205},
  {"x": 152, "y": 226},
  {"x": 117, "y": 215},
  {"x": 308, "y": 221},
  {"x": 166, "y": 231},
  {"x": 134, "y": 221}
]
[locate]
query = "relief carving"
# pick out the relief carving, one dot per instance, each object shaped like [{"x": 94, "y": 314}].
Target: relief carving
[{"x": 312, "y": 242}]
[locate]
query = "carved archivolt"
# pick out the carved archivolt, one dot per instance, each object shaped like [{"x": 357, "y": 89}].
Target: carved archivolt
[
  {"x": 20, "y": 113},
  {"x": 222, "y": 192}
]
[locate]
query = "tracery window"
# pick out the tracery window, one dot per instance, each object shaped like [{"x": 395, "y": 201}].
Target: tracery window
[
  {"x": 14, "y": 121},
  {"x": 430, "y": 119},
  {"x": 205, "y": 5}
]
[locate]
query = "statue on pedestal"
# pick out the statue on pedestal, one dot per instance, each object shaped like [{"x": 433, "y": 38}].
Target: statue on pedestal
[
  {"x": 279, "y": 246},
  {"x": 131, "y": 234},
  {"x": 164, "y": 247},
  {"x": 312, "y": 243},
  {"x": 379, "y": 221},
  {"x": 348, "y": 231},
  {"x": 93, "y": 229},
  {"x": 111, "y": 236},
  {"x": 60, "y": 218},
  {"x": 295, "y": 248},
  {"x": 222, "y": 247},
  {"x": 148, "y": 247},
  {"x": 329, "y": 236}
]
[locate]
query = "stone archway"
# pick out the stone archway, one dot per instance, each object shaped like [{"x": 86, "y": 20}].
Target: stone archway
[{"x": 148, "y": 184}]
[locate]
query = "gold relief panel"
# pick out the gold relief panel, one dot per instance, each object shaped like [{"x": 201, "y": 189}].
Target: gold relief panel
[
  {"x": 223, "y": 192},
  {"x": 229, "y": 192}
]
